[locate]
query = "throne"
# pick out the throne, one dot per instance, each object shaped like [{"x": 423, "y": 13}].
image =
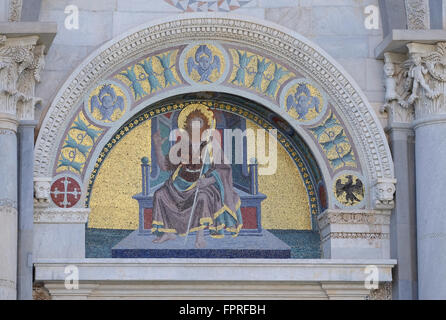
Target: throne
[
  {"x": 245, "y": 177},
  {"x": 252, "y": 242}
]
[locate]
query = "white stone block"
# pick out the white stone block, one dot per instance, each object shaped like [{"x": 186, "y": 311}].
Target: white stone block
[
  {"x": 94, "y": 27},
  {"x": 297, "y": 19},
  {"x": 95, "y": 5},
  {"x": 124, "y": 21},
  {"x": 344, "y": 46},
  {"x": 277, "y": 3},
  {"x": 338, "y": 21},
  {"x": 250, "y": 12},
  {"x": 59, "y": 233},
  {"x": 146, "y": 6}
]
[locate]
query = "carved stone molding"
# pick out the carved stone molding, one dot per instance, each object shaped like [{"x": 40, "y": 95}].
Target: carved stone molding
[
  {"x": 288, "y": 46},
  {"x": 330, "y": 217},
  {"x": 15, "y": 10},
  {"x": 8, "y": 203},
  {"x": 21, "y": 62},
  {"x": 342, "y": 233},
  {"x": 384, "y": 292},
  {"x": 59, "y": 215},
  {"x": 417, "y": 12},
  {"x": 40, "y": 292},
  {"x": 356, "y": 235},
  {"x": 7, "y": 210}
]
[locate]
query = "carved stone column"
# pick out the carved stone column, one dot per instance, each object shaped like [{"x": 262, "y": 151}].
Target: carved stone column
[
  {"x": 420, "y": 93},
  {"x": 20, "y": 64},
  {"x": 428, "y": 74},
  {"x": 403, "y": 244}
]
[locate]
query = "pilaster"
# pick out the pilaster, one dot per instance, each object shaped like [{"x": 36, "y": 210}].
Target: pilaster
[
  {"x": 415, "y": 101},
  {"x": 355, "y": 234},
  {"x": 20, "y": 63}
]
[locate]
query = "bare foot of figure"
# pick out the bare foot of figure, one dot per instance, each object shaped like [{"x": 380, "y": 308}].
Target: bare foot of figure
[
  {"x": 165, "y": 237},
  {"x": 200, "y": 243}
]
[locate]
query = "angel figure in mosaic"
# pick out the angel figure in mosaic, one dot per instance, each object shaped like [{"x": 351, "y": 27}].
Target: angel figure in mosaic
[
  {"x": 199, "y": 194},
  {"x": 205, "y": 63}
]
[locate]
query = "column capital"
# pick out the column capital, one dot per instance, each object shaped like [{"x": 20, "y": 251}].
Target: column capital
[
  {"x": 415, "y": 83},
  {"x": 21, "y": 61}
]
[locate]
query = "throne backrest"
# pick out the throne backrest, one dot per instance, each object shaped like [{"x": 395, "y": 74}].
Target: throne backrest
[{"x": 165, "y": 123}]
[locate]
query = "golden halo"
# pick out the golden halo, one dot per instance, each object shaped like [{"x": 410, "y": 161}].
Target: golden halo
[{"x": 184, "y": 114}]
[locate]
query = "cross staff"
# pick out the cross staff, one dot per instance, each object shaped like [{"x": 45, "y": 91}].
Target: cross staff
[{"x": 198, "y": 187}]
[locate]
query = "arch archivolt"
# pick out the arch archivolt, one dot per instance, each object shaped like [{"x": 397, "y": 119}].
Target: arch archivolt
[{"x": 262, "y": 62}]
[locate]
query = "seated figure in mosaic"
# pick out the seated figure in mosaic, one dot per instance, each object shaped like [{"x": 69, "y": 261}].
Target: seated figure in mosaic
[{"x": 217, "y": 206}]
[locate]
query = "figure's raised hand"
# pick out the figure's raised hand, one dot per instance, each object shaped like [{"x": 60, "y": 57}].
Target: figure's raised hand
[{"x": 205, "y": 182}]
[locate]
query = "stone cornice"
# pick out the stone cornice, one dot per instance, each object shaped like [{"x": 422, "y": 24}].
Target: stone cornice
[
  {"x": 398, "y": 39},
  {"x": 45, "y": 31},
  {"x": 214, "y": 269},
  {"x": 367, "y": 217}
]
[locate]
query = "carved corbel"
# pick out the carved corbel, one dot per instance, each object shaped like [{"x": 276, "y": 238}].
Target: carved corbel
[
  {"x": 383, "y": 195},
  {"x": 42, "y": 188}
]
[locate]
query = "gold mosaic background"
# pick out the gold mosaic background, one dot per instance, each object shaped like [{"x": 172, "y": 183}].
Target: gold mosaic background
[
  {"x": 286, "y": 205},
  {"x": 119, "y": 178}
]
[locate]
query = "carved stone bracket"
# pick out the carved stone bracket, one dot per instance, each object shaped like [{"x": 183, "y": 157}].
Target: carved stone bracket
[
  {"x": 42, "y": 186},
  {"x": 384, "y": 190}
]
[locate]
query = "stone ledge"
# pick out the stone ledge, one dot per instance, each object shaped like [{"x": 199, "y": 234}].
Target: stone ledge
[
  {"x": 305, "y": 270},
  {"x": 397, "y": 40},
  {"x": 62, "y": 216},
  {"x": 45, "y": 30},
  {"x": 208, "y": 290}
]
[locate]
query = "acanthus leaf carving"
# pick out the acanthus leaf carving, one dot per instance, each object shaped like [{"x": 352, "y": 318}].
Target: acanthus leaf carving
[
  {"x": 415, "y": 83},
  {"x": 21, "y": 62}
]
